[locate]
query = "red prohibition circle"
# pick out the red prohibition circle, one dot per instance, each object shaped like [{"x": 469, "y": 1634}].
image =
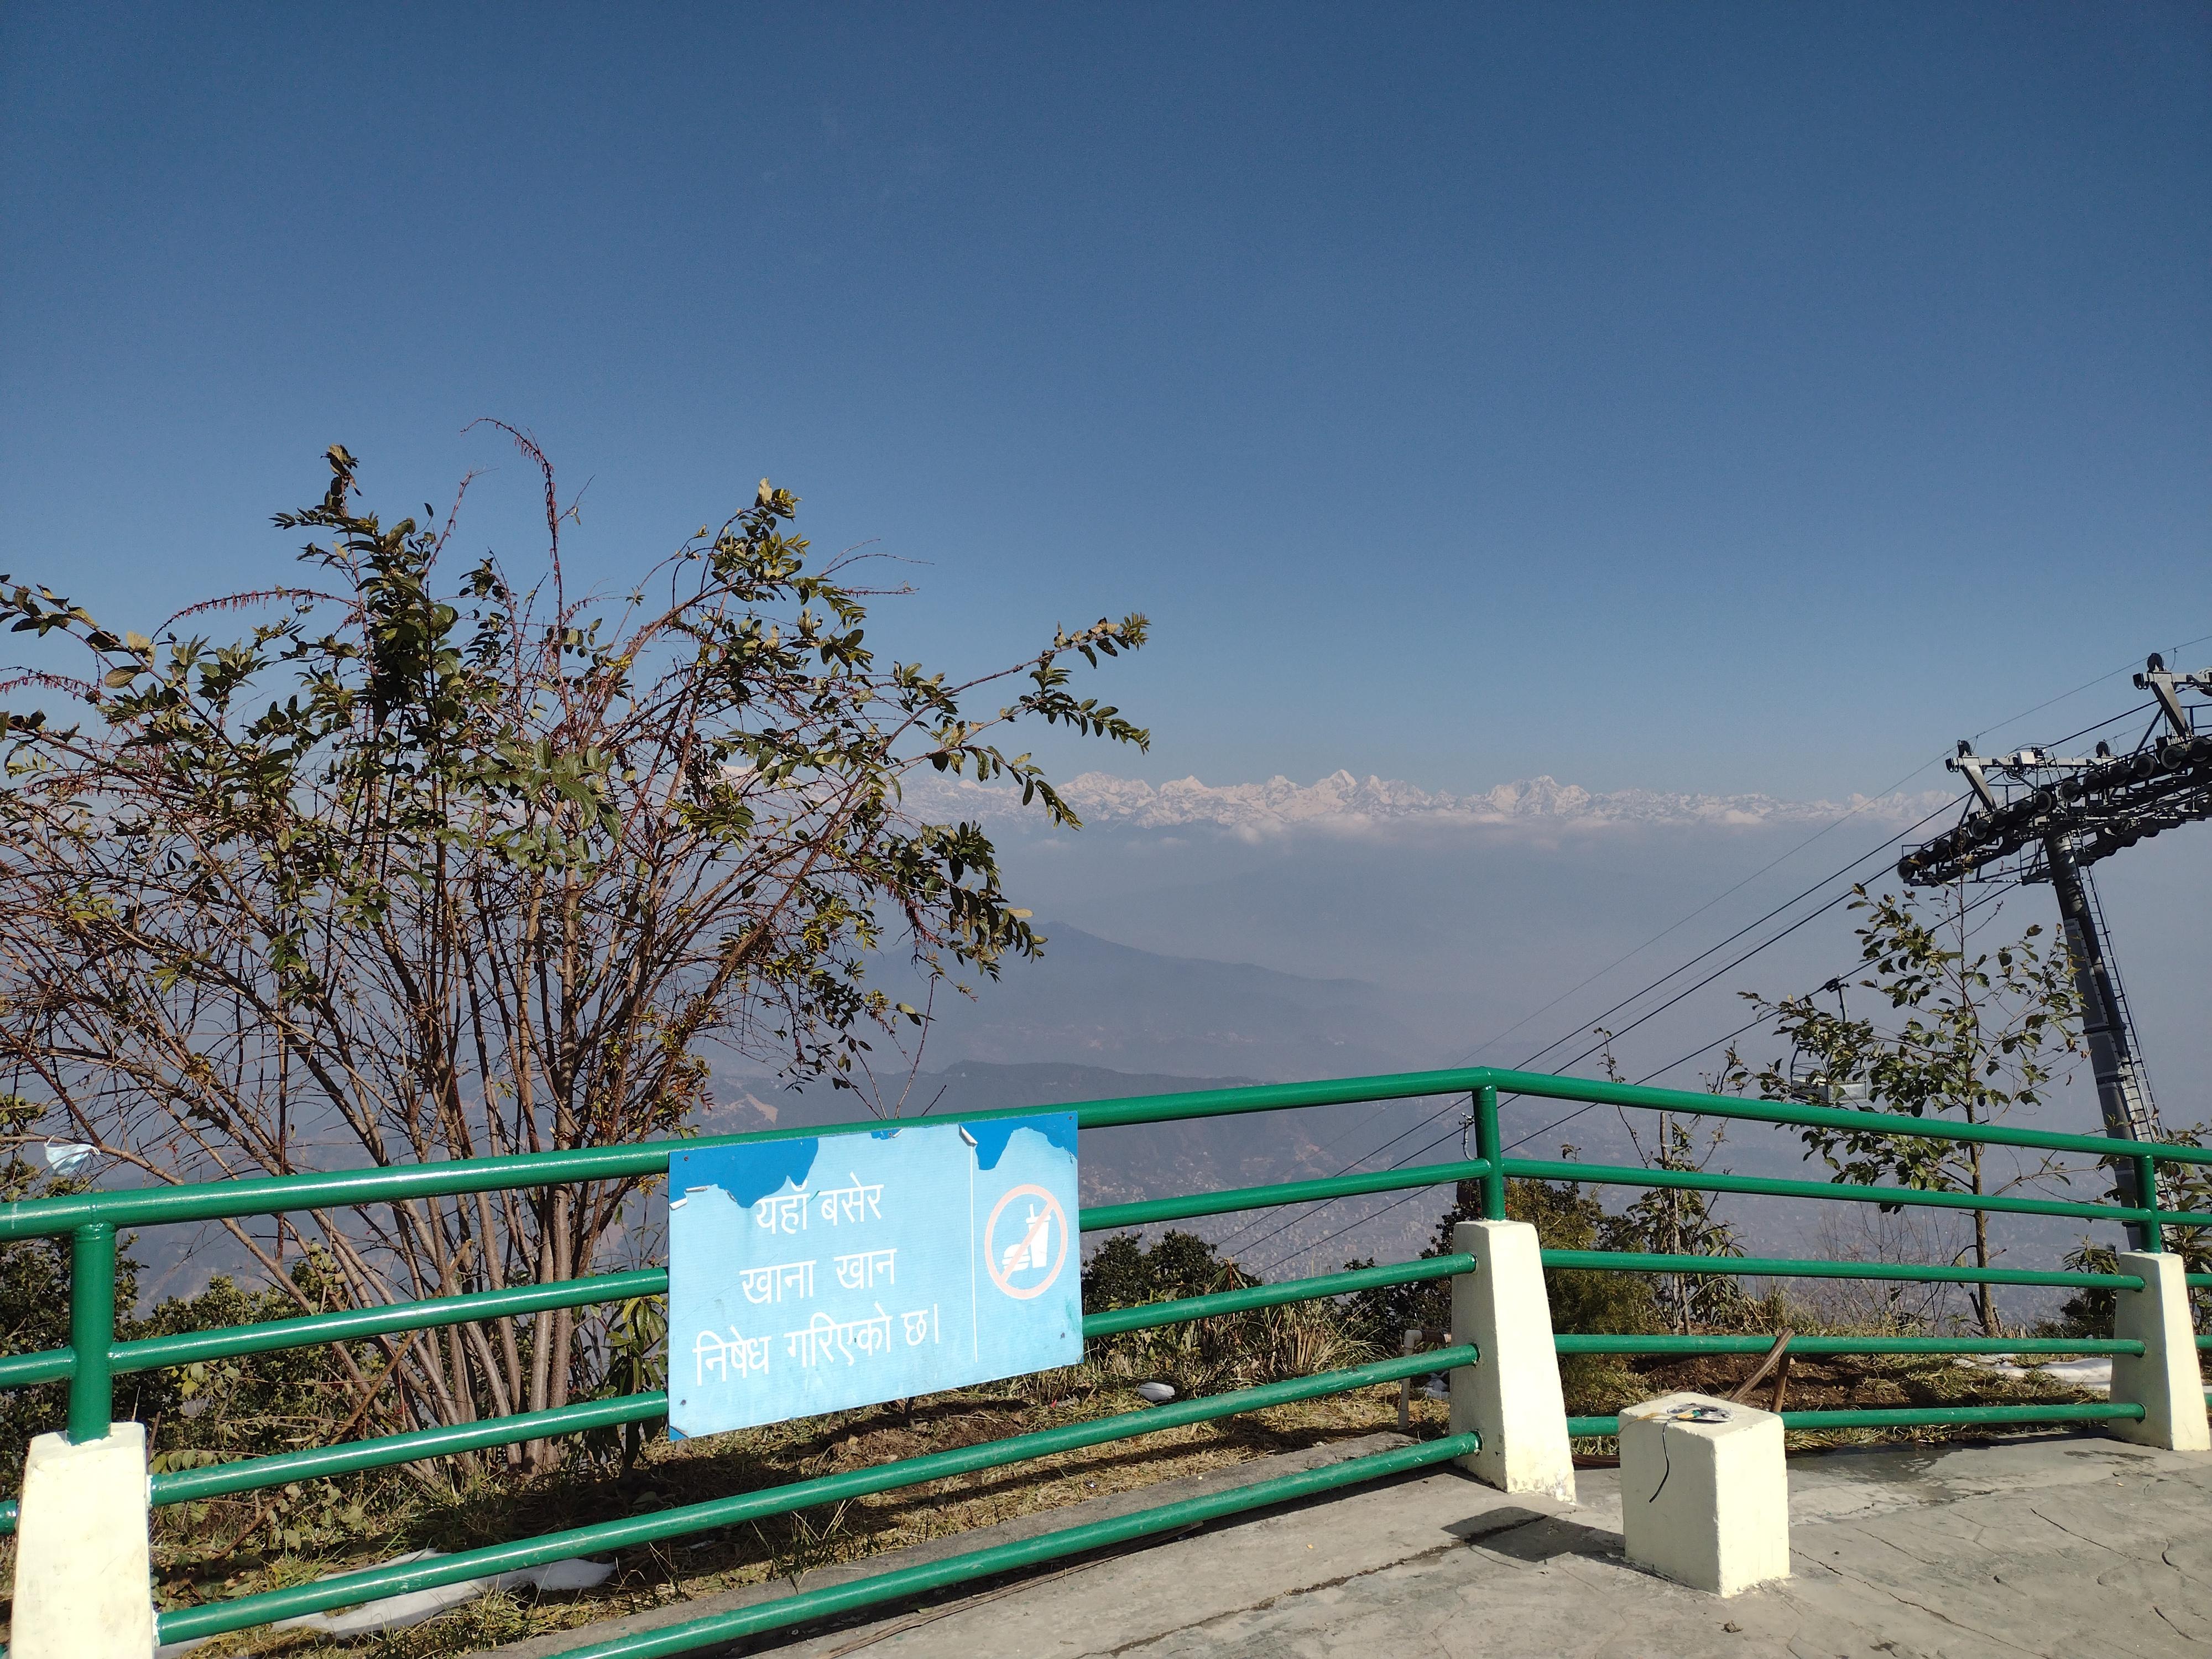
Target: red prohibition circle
[{"x": 990, "y": 1257}]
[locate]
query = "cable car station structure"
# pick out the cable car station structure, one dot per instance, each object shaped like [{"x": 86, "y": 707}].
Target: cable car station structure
[{"x": 2058, "y": 815}]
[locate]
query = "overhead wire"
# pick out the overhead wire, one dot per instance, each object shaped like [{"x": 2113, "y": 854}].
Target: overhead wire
[
  {"x": 1653, "y": 1013},
  {"x": 1866, "y": 806},
  {"x": 1993, "y": 894},
  {"x": 1703, "y": 954},
  {"x": 1361, "y": 1221},
  {"x": 2114, "y": 720},
  {"x": 1798, "y": 898},
  {"x": 1648, "y": 1015},
  {"x": 1645, "y": 990},
  {"x": 2049, "y": 702},
  {"x": 1684, "y": 967},
  {"x": 1575, "y": 1060},
  {"x": 1837, "y": 823}
]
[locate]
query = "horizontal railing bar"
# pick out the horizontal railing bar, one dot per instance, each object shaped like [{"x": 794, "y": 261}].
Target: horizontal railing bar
[
  {"x": 1629, "y": 1343},
  {"x": 346, "y": 1325},
  {"x": 398, "y": 1579},
  {"x": 1105, "y": 1218},
  {"x": 1612, "y": 1175},
  {"x": 1275, "y": 1097},
  {"x": 313, "y": 1329},
  {"x": 1112, "y": 1321},
  {"x": 1883, "y": 1417},
  {"x": 1909, "y": 1416},
  {"x": 1794, "y": 1114},
  {"x": 214, "y": 1201},
  {"x": 321, "y": 1462},
  {"x": 280, "y": 1195},
  {"x": 150, "y": 1207},
  {"x": 27, "y": 1370},
  {"x": 903, "y": 1582},
  {"x": 1637, "y": 1261},
  {"x": 1216, "y": 1102}
]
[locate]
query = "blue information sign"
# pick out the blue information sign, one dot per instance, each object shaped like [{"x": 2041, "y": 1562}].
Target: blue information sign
[{"x": 808, "y": 1276}]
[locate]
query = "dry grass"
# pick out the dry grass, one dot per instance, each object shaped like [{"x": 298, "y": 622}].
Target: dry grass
[
  {"x": 1831, "y": 1383},
  {"x": 787, "y": 1547}
]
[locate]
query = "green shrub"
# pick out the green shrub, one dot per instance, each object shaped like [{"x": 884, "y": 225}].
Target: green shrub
[{"x": 1205, "y": 1355}]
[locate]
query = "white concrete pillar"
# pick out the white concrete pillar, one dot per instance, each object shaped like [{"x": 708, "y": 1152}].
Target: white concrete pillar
[
  {"x": 2165, "y": 1381},
  {"x": 83, "y": 1564},
  {"x": 1704, "y": 1496},
  {"x": 1511, "y": 1396}
]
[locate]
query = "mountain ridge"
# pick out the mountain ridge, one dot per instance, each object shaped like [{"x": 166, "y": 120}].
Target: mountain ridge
[{"x": 1342, "y": 800}]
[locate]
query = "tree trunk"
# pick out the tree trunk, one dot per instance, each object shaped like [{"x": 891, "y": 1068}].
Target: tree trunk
[{"x": 1984, "y": 1293}]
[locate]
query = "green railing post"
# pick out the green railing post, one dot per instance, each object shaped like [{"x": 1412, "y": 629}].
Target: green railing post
[
  {"x": 92, "y": 1330},
  {"x": 1486, "y": 1146},
  {"x": 2147, "y": 1195}
]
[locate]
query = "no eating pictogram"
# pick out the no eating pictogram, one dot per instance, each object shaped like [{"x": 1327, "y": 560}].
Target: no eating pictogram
[{"x": 1044, "y": 1220}]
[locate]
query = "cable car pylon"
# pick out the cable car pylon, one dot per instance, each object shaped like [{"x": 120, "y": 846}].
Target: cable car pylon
[{"x": 2060, "y": 816}]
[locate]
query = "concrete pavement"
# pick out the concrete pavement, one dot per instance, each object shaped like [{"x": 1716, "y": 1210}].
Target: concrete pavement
[{"x": 2053, "y": 1547}]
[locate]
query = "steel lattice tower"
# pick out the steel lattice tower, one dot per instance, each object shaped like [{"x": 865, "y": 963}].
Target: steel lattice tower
[{"x": 2059, "y": 816}]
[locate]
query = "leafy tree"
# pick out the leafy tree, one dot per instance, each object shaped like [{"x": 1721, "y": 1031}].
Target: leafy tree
[
  {"x": 1227, "y": 1351},
  {"x": 429, "y": 866},
  {"x": 1566, "y": 1217},
  {"x": 1978, "y": 1034},
  {"x": 258, "y": 1405},
  {"x": 2088, "y": 1311},
  {"x": 1675, "y": 1220},
  {"x": 1122, "y": 1273}
]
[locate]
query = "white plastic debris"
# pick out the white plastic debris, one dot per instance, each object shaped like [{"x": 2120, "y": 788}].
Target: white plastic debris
[
  {"x": 1156, "y": 1394},
  {"x": 399, "y": 1612},
  {"x": 2093, "y": 1374},
  {"x": 66, "y": 1158}
]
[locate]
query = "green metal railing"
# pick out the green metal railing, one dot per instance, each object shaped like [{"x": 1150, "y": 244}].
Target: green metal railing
[
  {"x": 1912, "y": 1417},
  {"x": 94, "y": 1358}
]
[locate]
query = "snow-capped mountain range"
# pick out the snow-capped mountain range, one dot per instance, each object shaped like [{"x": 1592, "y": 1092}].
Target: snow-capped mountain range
[{"x": 1343, "y": 802}]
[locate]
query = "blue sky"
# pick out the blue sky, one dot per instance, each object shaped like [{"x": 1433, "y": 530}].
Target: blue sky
[{"x": 1712, "y": 397}]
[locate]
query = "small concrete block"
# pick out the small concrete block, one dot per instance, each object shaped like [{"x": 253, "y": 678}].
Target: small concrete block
[
  {"x": 83, "y": 1568},
  {"x": 2164, "y": 1380},
  {"x": 1705, "y": 1503},
  {"x": 1511, "y": 1395}
]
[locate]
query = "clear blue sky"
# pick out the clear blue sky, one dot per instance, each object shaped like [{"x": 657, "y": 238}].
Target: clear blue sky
[{"x": 1735, "y": 398}]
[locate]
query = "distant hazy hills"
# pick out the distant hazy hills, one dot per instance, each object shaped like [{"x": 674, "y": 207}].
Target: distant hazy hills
[
  {"x": 1096, "y": 1003},
  {"x": 1091, "y": 1003}
]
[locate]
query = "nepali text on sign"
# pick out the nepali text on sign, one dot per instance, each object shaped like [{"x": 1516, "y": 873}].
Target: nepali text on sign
[{"x": 816, "y": 1275}]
